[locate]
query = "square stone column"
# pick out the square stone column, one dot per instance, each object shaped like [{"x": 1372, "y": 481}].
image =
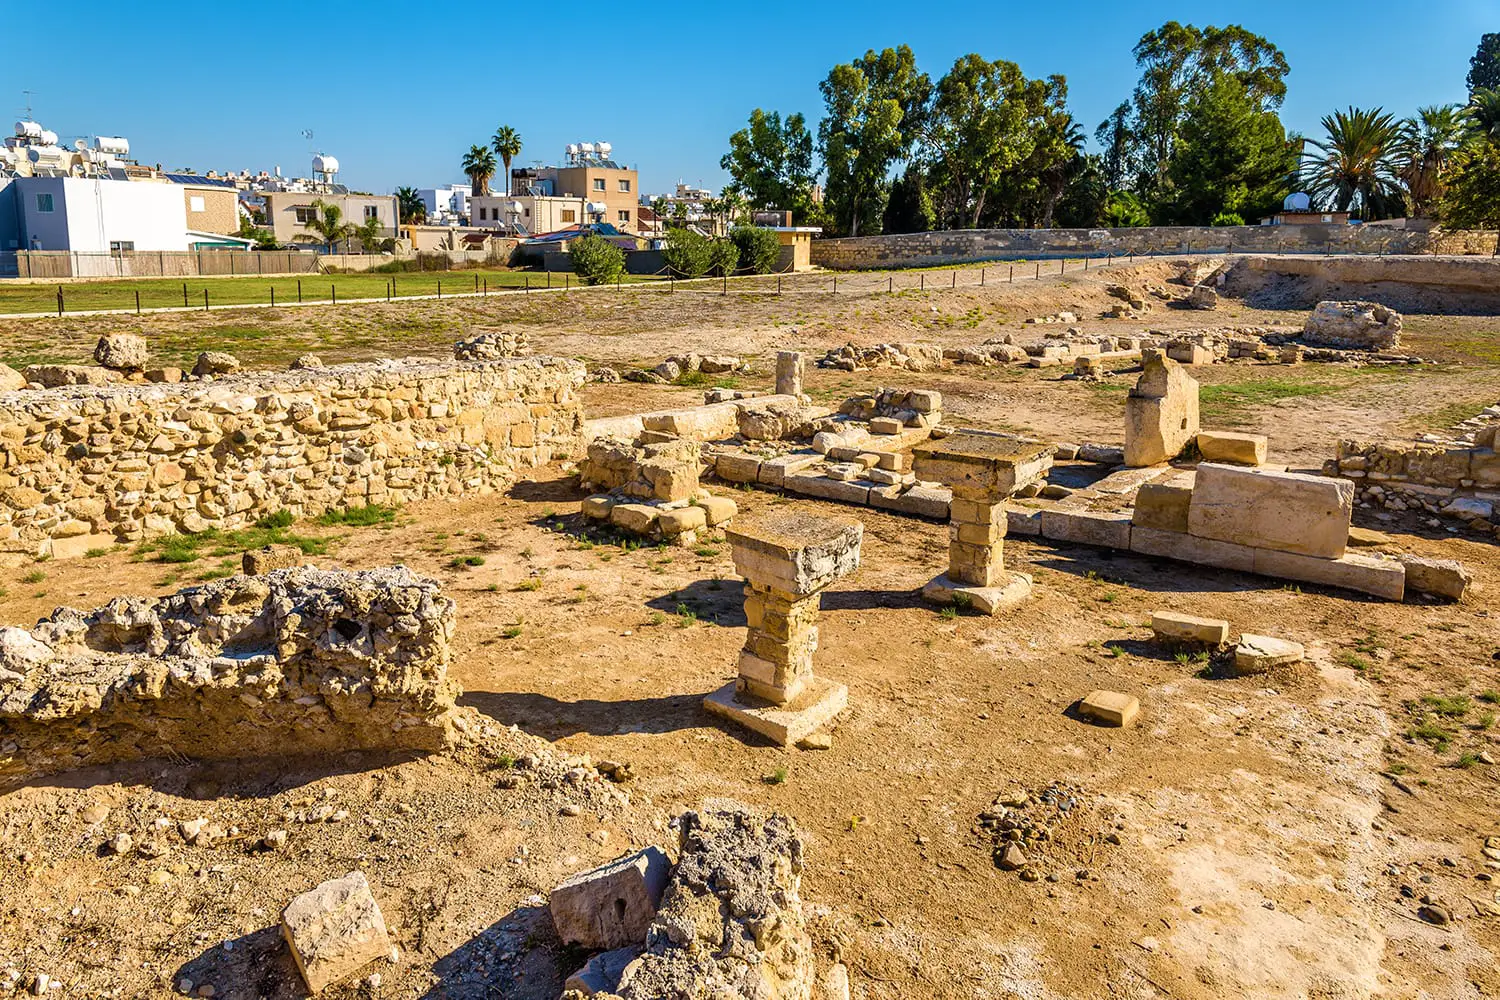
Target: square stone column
[
  {"x": 791, "y": 366},
  {"x": 787, "y": 560},
  {"x": 982, "y": 470}
]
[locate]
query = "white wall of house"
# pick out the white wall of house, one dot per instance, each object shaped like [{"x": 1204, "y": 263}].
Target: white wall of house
[{"x": 92, "y": 216}]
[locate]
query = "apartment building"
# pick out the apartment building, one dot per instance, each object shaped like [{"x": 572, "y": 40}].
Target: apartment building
[{"x": 588, "y": 174}]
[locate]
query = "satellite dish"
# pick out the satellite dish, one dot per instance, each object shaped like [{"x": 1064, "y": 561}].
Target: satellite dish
[
  {"x": 1297, "y": 202},
  {"x": 80, "y": 145}
]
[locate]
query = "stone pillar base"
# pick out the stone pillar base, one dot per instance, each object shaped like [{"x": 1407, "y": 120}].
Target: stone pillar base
[
  {"x": 819, "y": 701},
  {"x": 1011, "y": 589}
]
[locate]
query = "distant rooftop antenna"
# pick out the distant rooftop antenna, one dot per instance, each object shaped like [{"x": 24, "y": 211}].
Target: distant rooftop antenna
[{"x": 28, "y": 95}]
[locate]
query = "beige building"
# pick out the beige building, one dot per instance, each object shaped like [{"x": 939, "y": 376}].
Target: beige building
[
  {"x": 288, "y": 213},
  {"x": 588, "y": 176},
  {"x": 211, "y": 208},
  {"x": 537, "y": 214}
]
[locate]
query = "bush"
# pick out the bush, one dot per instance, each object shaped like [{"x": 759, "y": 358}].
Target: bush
[
  {"x": 1228, "y": 219},
  {"x": 725, "y": 255},
  {"x": 595, "y": 259},
  {"x": 687, "y": 253},
  {"x": 758, "y": 248}
]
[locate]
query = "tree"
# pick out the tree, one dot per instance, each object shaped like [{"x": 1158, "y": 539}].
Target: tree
[
  {"x": 1083, "y": 199},
  {"x": 327, "y": 224},
  {"x": 1471, "y": 199},
  {"x": 1484, "y": 65},
  {"x": 1114, "y": 136},
  {"x": 264, "y": 238},
  {"x": 1059, "y": 156},
  {"x": 1482, "y": 116},
  {"x": 479, "y": 164},
  {"x": 1232, "y": 157},
  {"x": 369, "y": 233},
  {"x": 1125, "y": 210},
  {"x": 506, "y": 142},
  {"x": 770, "y": 161},
  {"x": 909, "y": 207},
  {"x": 687, "y": 253},
  {"x": 984, "y": 124},
  {"x": 759, "y": 248},
  {"x": 724, "y": 255},
  {"x": 1423, "y": 149},
  {"x": 1353, "y": 171},
  {"x": 595, "y": 259},
  {"x": 409, "y": 205},
  {"x": 875, "y": 107}
]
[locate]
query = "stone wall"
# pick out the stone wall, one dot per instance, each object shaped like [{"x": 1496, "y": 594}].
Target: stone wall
[
  {"x": 83, "y": 466},
  {"x": 298, "y": 661},
  {"x": 966, "y": 245}
]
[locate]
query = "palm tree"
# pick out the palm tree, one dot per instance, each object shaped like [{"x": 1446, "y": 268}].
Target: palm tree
[
  {"x": 1483, "y": 115},
  {"x": 328, "y": 225},
  {"x": 1354, "y": 167},
  {"x": 1066, "y": 160},
  {"x": 410, "y": 205},
  {"x": 479, "y": 164},
  {"x": 1423, "y": 148},
  {"x": 506, "y": 143}
]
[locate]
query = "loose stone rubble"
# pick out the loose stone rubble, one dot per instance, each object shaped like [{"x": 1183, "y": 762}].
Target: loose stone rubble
[
  {"x": 1363, "y": 325},
  {"x": 305, "y": 660},
  {"x": 493, "y": 346}
]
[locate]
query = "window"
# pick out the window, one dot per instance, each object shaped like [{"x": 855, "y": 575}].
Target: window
[
  {"x": 305, "y": 213},
  {"x": 482, "y": 215},
  {"x": 372, "y": 211},
  {"x": 568, "y": 215},
  {"x": 625, "y": 186},
  {"x": 121, "y": 246},
  {"x": 528, "y": 213},
  {"x": 195, "y": 203},
  {"x": 44, "y": 202},
  {"x": 598, "y": 183},
  {"x": 624, "y": 215}
]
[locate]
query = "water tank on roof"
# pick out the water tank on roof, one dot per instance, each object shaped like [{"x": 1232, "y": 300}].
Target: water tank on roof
[
  {"x": 46, "y": 156},
  {"x": 586, "y": 148},
  {"x": 113, "y": 144},
  {"x": 28, "y": 130},
  {"x": 604, "y": 149},
  {"x": 48, "y": 137},
  {"x": 1297, "y": 202},
  {"x": 325, "y": 164},
  {"x": 515, "y": 207},
  {"x": 596, "y": 208}
]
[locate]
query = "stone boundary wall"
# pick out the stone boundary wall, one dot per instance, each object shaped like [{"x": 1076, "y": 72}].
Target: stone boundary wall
[
  {"x": 972, "y": 245},
  {"x": 84, "y": 466},
  {"x": 1417, "y": 462}
]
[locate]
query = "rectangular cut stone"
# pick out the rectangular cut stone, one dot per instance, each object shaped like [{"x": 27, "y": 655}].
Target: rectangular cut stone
[
  {"x": 1110, "y": 529},
  {"x": 334, "y": 930},
  {"x": 980, "y": 466},
  {"x": 1286, "y": 511},
  {"x": 611, "y": 906},
  {"x": 1161, "y": 412},
  {"x": 1171, "y": 626},
  {"x": 885, "y": 425},
  {"x": 773, "y": 471},
  {"x": 636, "y": 518},
  {"x": 976, "y": 565},
  {"x": 815, "y": 484},
  {"x": 1161, "y": 506},
  {"x": 1192, "y": 549},
  {"x": 797, "y": 554},
  {"x": 1258, "y": 653},
  {"x": 976, "y": 534},
  {"x": 978, "y": 512},
  {"x": 1444, "y": 577},
  {"x": 1110, "y": 708},
  {"x": 598, "y": 508},
  {"x": 713, "y": 422},
  {"x": 1232, "y": 447},
  {"x": 735, "y": 467},
  {"x": 1351, "y": 571},
  {"x": 1025, "y": 521},
  {"x": 784, "y": 725},
  {"x": 919, "y": 500}
]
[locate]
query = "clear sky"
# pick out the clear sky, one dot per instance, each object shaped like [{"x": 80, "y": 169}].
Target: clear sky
[{"x": 398, "y": 91}]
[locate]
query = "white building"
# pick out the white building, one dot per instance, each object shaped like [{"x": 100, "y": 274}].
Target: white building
[
  {"x": 447, "y": 205},
  {"x": 98, "y": 215}
]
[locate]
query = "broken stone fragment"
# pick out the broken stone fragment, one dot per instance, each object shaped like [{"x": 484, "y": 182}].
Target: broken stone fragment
[
  {"x": 612, "y": 905},
  {"x": 1170, "y": 626},
  {"x": 601, "y": 974},
  {"x": 1256, "y": 654},
  {"x": 121, "y": 351},
  {"x": 334, "y": 930},
  {"x": 269, "y": 558},
  {"x": 216, "y": 363}
]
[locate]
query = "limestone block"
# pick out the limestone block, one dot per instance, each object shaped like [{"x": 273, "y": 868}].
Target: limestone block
[
  {"x": 1192, "y": 549},
  {"x": 1162, "y": 506},
  {"x": 1256, "y": 654},
  {"x": 926, "y": 401},
  {"x": 335, "y": 930},
  {"x": 713, "y": 422},
  {"x": 775, "y": 419},
  {"x": 885, "y": 425},
  {"x": 918, "y": 500},
  {"x": 636, "y": 518},
  {"x": 122, "y": 352},
  {"x": 791, "y": 368},
  {"x": 982, "y": 466},
  {"x": 598, "y": 508},
  {"x": 1443, "y": 577},
  {"x": 601, "y": 973},
  {"x": 1110, "y": 708},
  {"x": 1360, "y": 325},
  {"x": 675, "y": 522},
  {"x": 1161, "y": 413},
  {"x": 976, "y": 565},
  {"x": 1172, "y": 626},
  {"x": 52, "y": 376},
  {"x": 1286, "y": 511},
  {"x": 1110, "y": 529},
  {"x": 1232, "y": 447},
  {"x": 76, "y": 546},
  {"x": 816, "y": 484},
  {"x": 612, "y": 905},
  {"x": 1024, "y": 521},
  {"x": 797, "y": 554},
  {"x": 820, "y": 701},
  {"x": 269, "y": 558},
  {"x": 10, "y": 379},
  {"x": 1352, "y": 571},
  {"x": 216, "y": 363},
  {"x": 718, "y": 510},
  {"x": 773, "y": 471},
  {"x": 1008, "y": 591}
]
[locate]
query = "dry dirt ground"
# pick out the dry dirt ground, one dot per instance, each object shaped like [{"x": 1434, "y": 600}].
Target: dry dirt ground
[{"x": 1249, "y": 837}]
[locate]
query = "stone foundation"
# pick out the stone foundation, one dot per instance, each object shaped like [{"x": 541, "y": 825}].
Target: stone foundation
[
  {"x": 298, "y": 661},
  {"x": 83, "y": 466}
]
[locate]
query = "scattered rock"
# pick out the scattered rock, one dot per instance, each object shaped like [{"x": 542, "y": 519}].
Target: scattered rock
[
  {"x": 216, "y": 363},
  {"x": 612, "y": 905},
  {"x": 1256, "y": 654},
  {"x": 120, "y": 843},
  {"x": 334, "y": 930},
  {"x": 124, "y": 352}
]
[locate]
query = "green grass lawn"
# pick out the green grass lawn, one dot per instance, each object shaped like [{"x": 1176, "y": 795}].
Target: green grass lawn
[{"x": 159, "y": 292}]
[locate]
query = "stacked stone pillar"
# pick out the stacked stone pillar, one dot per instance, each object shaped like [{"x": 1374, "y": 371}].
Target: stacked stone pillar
[
  {"x": 982, "y": 470},
  {"x": 787, "y": 561}
]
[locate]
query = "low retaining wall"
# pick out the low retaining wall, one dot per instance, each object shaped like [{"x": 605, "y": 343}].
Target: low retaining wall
[
  {"x": 968, "y": 245},
  {"x": 83, "y": 466}
]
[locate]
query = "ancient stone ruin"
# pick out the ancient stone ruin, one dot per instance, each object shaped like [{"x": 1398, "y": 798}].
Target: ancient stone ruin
[
  {"x": 1363, "y": 325},
  {"x": 300, "y": 660},
  {"x": 1161, "y": 414}
]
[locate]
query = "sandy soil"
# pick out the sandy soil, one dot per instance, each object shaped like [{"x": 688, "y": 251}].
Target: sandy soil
[{"x": 1275, "y": 834}]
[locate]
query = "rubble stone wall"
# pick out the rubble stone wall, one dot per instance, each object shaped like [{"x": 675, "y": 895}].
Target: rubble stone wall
[
  {"x": 958, "y": 246},
  {"x": 297, "y": 661},
  {"x": 82, "y": 466},
  {"x": 1414, "y": 462}
]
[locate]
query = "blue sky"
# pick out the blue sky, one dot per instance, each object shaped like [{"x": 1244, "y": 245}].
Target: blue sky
[{"x": 398, "y": 91}]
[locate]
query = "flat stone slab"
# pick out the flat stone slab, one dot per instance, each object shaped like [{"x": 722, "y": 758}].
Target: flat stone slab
[
  {"x": 1110, "y": 708},
  {"x": 1284, "y": 511},
  {"x": 795, "y": 553},
  {"x": 787, "y": 724},
  {"x": 1170, "y": 626},
  {"x": 1258, "y": 653},
  {"x": 978, "y": 462},
  {"x": 985, "y": 600}
]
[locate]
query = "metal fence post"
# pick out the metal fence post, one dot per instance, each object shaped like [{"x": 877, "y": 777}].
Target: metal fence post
[
  {"x": 138, "y": 301},
  {"x": 299, "y": 289},
  {"x": 954, "y": 283},
  {"x": 1039, "y": 270},
  {"x": 184, "y": 295},
  {"x": 440, "y": 288},
  {"x": 333, "y": 293},
  {"x": 273, "y": 297},
  {"x": 1013, "y": 274},
  {"x": 922, "y": 282},
  {"x": 205, "y": 298},
  {"x": 59, "y": 300},
  {"x": 981, "y": 277}
]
